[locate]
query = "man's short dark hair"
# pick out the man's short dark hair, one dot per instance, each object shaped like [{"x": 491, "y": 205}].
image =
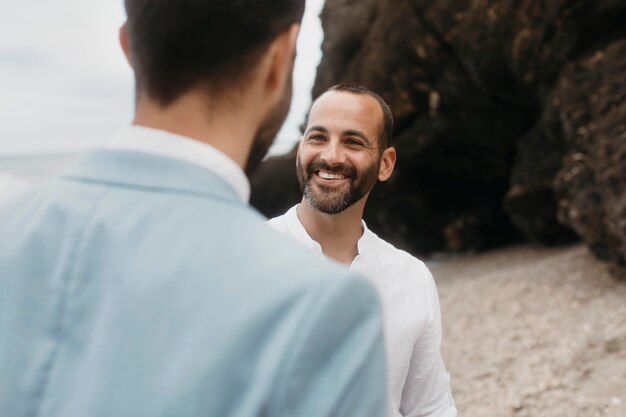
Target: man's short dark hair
[
  {"x": 387, "y": 128},
  {"x": 180, "y": 44}
]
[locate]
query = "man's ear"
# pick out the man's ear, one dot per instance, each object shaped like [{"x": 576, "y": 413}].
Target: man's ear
[
  {"x": 125, "y": 43},
  {"x": 387, "y": 163},
  {"x": 281, "y": 59}
]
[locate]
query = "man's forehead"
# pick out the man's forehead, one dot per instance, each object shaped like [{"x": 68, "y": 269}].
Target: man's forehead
[{"x": 345, "y": 106}]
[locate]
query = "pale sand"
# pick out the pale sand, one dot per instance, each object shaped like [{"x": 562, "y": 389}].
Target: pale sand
[{"x": 534, "y": 332}]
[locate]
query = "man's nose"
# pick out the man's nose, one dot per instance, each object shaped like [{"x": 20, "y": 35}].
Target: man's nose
[{"x": 332, "y": 153}]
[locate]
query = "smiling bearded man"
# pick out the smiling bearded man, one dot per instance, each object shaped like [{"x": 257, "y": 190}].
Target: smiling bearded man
[{"x": 345, "y": 150}]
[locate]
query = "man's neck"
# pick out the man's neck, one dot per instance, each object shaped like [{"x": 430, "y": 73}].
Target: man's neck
[
  {"x": 191, "y": 116},
  {"x": 337, "y": 234}
]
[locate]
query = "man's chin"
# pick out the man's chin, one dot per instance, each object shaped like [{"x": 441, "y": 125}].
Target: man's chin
[
  {"x": 329, "y": 203},
  {"x": 331, "y": 208}
]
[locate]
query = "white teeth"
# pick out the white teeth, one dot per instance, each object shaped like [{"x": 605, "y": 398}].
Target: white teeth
[{"x": 329, "y": 176}]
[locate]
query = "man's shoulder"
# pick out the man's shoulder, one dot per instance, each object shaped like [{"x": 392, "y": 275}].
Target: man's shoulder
[
  {"x": 395, "y": 268},
  {"x": 385, "y": 250}
]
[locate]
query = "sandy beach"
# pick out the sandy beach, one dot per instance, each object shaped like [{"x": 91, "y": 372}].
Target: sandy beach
[{"x": 534, "y": 332}]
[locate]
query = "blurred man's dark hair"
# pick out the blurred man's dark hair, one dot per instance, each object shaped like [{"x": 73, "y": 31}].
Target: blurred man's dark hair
[{"x": 180, "y": 44}]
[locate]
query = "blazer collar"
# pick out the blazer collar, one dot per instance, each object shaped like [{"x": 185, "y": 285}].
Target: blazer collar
[{"x": 146, "y": 170}]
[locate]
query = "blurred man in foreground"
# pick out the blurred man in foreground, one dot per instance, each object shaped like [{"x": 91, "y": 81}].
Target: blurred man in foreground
[
  {"x": 140, "y": 283},
  {"x": 345, "y": 150}
]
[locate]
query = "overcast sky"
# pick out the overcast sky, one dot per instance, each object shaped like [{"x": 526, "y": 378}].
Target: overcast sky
[{"x": 64, "y": 83}]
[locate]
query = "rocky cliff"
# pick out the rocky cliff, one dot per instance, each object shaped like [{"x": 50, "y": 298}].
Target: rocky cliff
[{"x": 510, "y": 119}]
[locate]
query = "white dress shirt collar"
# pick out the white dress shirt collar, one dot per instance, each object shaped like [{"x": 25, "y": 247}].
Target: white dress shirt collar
[
  {"x": 160, "y": 142},
  {"x": 295, "y": 224}
]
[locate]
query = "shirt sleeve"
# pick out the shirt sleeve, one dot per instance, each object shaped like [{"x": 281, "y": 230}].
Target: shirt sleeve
[
  {"x": 336, "y": 366},
  {"x": 427, "y": 388}
]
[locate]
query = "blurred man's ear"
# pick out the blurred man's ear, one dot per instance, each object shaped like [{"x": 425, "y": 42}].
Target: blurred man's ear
[
  {"x": 125, "y": 43},
  {"x": 281, "y": 58},
  {"x": 387, "y": 163}
]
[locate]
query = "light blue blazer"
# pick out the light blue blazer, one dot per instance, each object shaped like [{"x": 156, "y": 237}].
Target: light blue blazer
[{"x": 139, "y": 285}]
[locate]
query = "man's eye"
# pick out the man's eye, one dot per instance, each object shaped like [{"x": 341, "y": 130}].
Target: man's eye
[
  {"x": 316, "y": 138},
  {"x": 353, "y": 142}
]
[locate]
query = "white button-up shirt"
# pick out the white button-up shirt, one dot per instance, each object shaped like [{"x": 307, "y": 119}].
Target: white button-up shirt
[
  {"x": 418, "y": 383},
  {"x": 160, "y": 142}
]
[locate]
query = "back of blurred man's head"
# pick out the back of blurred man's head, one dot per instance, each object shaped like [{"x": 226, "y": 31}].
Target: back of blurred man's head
[{"x": 177, "y": 45}]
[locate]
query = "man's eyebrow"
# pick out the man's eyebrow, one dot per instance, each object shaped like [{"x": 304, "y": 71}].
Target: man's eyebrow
[
  {"x": 349, "y": 132},
  {"x": 354, "y": 132},
  {"x": 318, "y": 128},
  {"x": 358, "y": 133}
]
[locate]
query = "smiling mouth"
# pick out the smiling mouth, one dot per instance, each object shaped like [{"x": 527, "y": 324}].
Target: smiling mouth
[{"x": 331, "y": 175}]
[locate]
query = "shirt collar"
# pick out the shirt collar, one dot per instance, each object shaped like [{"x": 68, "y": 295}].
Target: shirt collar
[
  {"x": 365, "y": 241},
  {"x": 296, "y": 226},
  {"x": 160, "y": 142}
]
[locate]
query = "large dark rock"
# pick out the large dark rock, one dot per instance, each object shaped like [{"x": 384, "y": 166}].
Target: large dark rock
[
  {"x": 531, "y": 201},
  {"x": 474, "y": 86},
  {"x": 591, "y": 183}
]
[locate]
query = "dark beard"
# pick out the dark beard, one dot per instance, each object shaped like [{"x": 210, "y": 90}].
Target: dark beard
[
  {"x": 266, "y": 134},
  {"x": 333, "y": 200}
]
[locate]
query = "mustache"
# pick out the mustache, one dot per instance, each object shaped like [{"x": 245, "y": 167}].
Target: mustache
[{"x": 343, "y": 169}]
